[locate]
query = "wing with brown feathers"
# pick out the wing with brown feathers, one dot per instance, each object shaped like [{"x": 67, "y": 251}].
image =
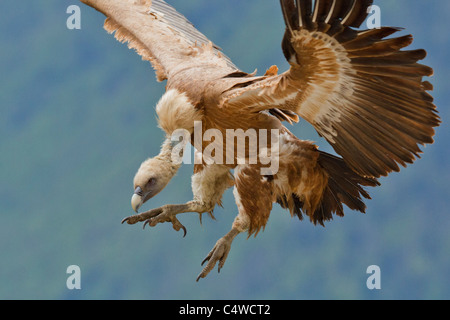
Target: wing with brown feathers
[
  {"x": 160, "y": 35},
  {"x": 359, "y": 89}
]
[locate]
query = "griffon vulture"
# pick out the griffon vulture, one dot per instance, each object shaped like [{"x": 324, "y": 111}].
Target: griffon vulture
[{"x": 359, "y": 89}]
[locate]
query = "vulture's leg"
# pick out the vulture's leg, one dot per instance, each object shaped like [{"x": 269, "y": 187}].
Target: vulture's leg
[
  {"x": 253, "y": 195},
  {"x": 219, "y": 253},
  {"x": 167, "y": 213}
]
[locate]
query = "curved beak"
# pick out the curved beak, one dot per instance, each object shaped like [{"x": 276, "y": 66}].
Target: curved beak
[{"x": 137, "y": 199}]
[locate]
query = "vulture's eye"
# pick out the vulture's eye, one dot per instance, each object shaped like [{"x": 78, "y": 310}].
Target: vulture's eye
[{"x": 151, "y": 182}]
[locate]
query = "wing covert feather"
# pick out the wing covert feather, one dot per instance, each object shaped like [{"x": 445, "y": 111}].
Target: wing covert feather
[{"x": 160, "y": 35}]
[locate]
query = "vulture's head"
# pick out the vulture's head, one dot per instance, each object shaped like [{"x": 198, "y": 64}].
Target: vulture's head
[
  {"x": 175, "y": 112},
  {"x": 152, "y": 177}
]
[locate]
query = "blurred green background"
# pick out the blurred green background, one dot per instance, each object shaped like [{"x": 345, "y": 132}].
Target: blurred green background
[{"x": 77, "y": 119}]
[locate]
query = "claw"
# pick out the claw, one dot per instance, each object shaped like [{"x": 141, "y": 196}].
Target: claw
[
  {"x": 178, "y": 226},
  {"x": 143, "y": 216},
  {"x": 203, "y": 262},
  {"x": 159, "y": 215},
  {"x": 175, "y": 222},
  {"x": 184, "y": 231},
  {"x": 131, "y": 220},
  {"x": 218, "y": 254}
]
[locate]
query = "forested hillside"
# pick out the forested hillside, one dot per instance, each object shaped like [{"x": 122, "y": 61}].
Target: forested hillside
[{"x": 77, "y": 118}]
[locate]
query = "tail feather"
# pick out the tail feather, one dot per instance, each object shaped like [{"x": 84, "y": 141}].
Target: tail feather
[{"x": 345, "y": 187}]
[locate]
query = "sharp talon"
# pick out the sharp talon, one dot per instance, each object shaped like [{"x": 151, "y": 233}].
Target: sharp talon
[
  {"x": 129, "y": 220},
  {"x": 178, "y": 226},
  {"x": 159, "y": 215},
  {"x": 202, "y": 275}
]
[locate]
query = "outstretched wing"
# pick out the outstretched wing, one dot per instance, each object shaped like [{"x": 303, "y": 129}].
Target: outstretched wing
[
  {"x": 160, "y": 35},
  {"x": 359, "y": 90}
]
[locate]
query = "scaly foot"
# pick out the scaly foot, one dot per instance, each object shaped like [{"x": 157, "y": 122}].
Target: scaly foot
[
  {"x": 218, "y": 254},
  {"x": 163, "y": 214}
]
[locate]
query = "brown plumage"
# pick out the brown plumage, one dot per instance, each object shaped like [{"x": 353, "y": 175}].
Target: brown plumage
[{"x": 359, "y": 89}]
